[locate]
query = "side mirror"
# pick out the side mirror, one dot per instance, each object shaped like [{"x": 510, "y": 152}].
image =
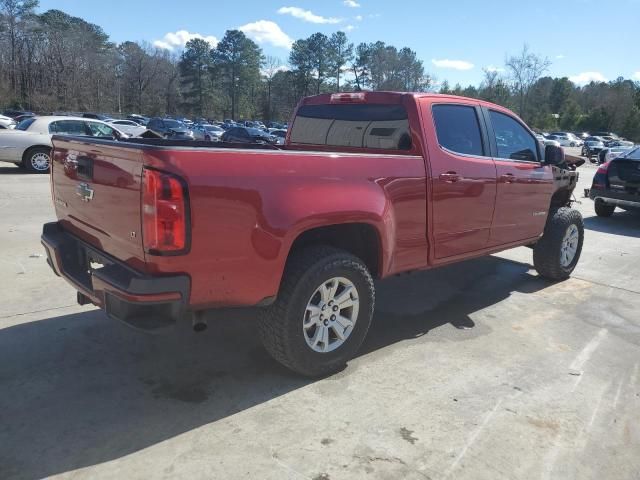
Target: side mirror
[{"x": 553, "y": 155}]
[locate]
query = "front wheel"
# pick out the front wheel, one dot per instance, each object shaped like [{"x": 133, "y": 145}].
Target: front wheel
[
  {"x": 322, "y": 313},
  {"x": 37, "y": 160},
  {"x": 557, "y": 253}
]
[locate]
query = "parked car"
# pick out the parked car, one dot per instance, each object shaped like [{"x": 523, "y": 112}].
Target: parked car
[
  {"x": 97, "y": 116},
  {"x": 610, "y": 153},
  {"x": 620, "y": 143},
  {"x": 615, "y": 184},
  {"x": 369, "y": 185},
  {"x": 247, "y": 135},
  {"x": 592, "y": 147},
  {"x": 279, "y": 134},
  {"x": 29, "y": 144},
  {"x": 566, "y": 139},
  {"x": 16, "y": 113},
  {"x": 170, "y": 128},
  {"x": 139, "y": 119},
  {"x": 7, "y": 123},
  {"x": 207, "y": 133},
  {"x": 545, "y": 141},
  {"x": 612, "y": 135},
  {"x": 129, "y": 127},
  {"x": 19, "y": 118}
]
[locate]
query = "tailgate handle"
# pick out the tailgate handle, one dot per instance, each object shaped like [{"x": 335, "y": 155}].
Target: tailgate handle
[{"x": 84, "y": 168}]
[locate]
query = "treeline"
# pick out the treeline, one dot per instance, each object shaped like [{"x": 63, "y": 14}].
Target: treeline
[{"x": 54, "y": 62}]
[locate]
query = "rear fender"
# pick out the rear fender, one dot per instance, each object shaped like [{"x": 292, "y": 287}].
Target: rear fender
[{"x": 336, "y": 203}]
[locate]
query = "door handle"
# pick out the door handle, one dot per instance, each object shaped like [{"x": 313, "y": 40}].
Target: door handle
[
  {"x": 508, "y": 178},
  {"x": 449, "y": 177}
]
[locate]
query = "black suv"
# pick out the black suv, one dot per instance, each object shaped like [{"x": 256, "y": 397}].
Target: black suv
[
  {"x": 169, "y": 128},
  {"x": 617, "y": 184},
  {"x": 247, "y": 135}
]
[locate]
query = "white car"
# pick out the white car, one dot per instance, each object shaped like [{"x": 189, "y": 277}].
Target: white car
[
  {"x": 545, "y": 141},
  {"x": 207, "y": 133},
  {"x": 29, "y": 144},
  {"x": 129, "y": 127},
  {"x": 566, "y": 139},
  {"x": 6, "y": 123}
]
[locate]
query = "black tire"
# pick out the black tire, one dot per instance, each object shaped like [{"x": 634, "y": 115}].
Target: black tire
[
  {"x": 548, "y": 251},
  {"x": 602, "y": 209},
  {"x": 32, "y": 159},
  {"x": 280, "y": 324}
]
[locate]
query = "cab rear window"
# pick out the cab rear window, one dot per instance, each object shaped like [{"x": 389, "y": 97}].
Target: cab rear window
[{"x": 384, "y": 127}]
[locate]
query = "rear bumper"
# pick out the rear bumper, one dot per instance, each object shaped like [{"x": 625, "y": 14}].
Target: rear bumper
[
  {"x": 142, "y": 301},
  {"x": 615, "y": 198}
]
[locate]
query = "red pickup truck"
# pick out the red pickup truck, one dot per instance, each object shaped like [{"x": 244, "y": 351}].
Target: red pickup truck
[{"x": 368, "y": 185}]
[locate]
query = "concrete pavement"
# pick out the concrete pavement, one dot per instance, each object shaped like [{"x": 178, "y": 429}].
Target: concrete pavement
[{"x": 545, "y": 384}]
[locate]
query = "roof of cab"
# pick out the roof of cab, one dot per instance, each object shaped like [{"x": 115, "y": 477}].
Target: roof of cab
[{"x": 390, "y": 97}]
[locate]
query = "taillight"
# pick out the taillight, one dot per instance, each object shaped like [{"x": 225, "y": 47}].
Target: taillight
[
  {"x": 603, "y": 168},
  {"x": 165, "y": 212}
]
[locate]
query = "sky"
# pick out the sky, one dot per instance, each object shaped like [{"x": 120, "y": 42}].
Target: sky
[{"x": 456, "y": 39}]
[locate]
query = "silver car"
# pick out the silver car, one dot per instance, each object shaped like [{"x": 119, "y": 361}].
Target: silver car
[
  {"x": 207, "y": 133},
  {"x": 129, "y": 127},
  {"x": 29, "y": 144}
]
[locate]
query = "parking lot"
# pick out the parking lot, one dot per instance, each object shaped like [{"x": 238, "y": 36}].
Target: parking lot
[{"x": 479, "y": 370}]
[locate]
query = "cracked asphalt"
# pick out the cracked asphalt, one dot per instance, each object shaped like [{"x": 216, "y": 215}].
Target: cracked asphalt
[{"x": 544, "y": 382}]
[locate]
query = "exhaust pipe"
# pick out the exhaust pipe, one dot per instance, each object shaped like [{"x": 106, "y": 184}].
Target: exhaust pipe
[{"x": 198, "y": 322}]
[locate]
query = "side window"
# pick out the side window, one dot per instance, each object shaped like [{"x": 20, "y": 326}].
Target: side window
[
  {"x": 458, "y": 129},
  {"x": 513, "y": 140},
  {"x": 100, "y": 130},
  {"x": 68, "y": 127}
]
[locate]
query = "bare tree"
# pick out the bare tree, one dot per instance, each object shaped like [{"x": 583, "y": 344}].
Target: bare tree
[
  {"x": 525, "y": 70},
  {"x": 270, "y": 66}
]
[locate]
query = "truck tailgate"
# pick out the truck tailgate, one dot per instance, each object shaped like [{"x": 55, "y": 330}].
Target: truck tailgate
[{"x": 96, "y": 191}]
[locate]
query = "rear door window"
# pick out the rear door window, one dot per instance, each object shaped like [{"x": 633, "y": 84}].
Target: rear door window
[
  {"x": 458, "y": 129},
  {"x": 68, "y": 127},
  {"x": 374, "y": 126},
  {"x": 512, "y": 139}
]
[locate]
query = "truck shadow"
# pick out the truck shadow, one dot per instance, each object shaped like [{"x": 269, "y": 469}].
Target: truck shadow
[
  {"x": 80, "y": 390},
  {"x": 621, "y": 223}
]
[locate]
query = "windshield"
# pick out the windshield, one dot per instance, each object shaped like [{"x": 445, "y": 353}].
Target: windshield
[
  {"x": 174, "y": 124},
  {"x": 256, "y": 132},
  {"x": 634, "y": 154},
  {"x": 25, "y": 124},
  {"x": 211, "y": 128}
]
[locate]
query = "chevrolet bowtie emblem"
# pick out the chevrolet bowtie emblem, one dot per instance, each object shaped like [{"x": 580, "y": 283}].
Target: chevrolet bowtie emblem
[{"x": 85, "y": 192}]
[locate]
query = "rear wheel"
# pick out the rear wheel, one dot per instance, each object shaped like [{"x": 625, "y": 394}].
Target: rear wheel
[
  {"x": 602, "y": 209},
  {"x": 322, "y": 313},
  {"x": 37, "y": 160},
  {"x": 557, "y": 253}
]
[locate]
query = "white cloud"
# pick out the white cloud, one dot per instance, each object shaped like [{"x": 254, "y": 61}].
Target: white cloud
[
  {"x": 307, "y": 15},
  {"x": 358, "y": 18},
  {"x": 636, "y": 76},
  {"x": 587, "y": 77},
  {"x": 349, "y": 28},
  {"x": 180, "y": 38},
  {"x": 491, "y": 68},
  {"x": 351, "y": 3},
  {"x": 559, "y": 57},
  {"x": 266, "y": 31},
  {"x": 454, "y": 64}
]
